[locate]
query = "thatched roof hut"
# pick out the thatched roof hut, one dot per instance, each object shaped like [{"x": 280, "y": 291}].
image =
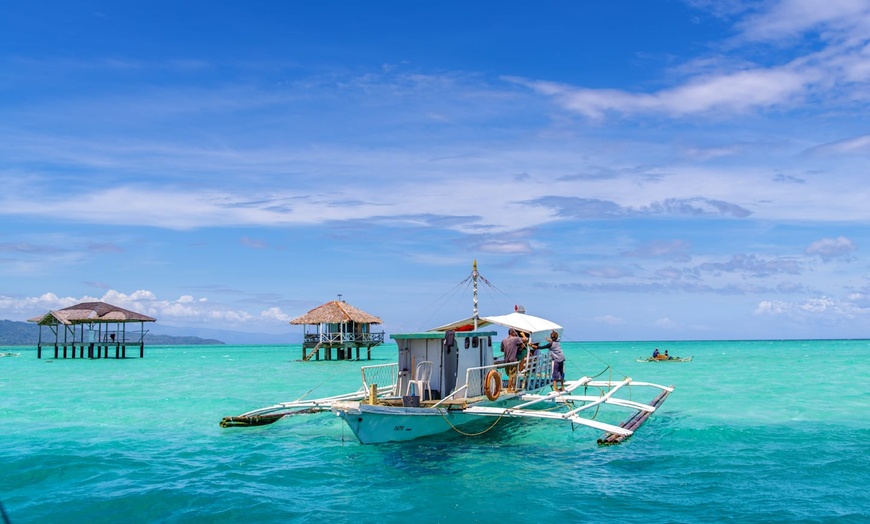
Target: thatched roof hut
[
  {"x": 90, "y": 313},
  {"x": 340, "y": 326},
  {"x": 99, "y": 326},
  {"x": 336, "y": 312}
]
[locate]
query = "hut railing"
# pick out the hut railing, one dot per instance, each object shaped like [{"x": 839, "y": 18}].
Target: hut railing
[{"x": 345, "y": 338}]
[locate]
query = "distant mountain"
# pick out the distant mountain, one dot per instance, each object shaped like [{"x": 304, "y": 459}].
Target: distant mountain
[
  {"x": 14, "y": 333},
  {"x": 169, "y": 340},
  {"x": 228, "y": 336},
  {"x": 18, "y": 333}
]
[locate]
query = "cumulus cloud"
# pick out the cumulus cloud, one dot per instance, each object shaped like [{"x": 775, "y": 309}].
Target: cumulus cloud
[
  {"x": 823, "y": 309},
  {"x": 832, "y": 248},
  {"x": 186, "y": 309},
  {"x": 665, "y": 322},
  {"x": 275, "y": 314}
]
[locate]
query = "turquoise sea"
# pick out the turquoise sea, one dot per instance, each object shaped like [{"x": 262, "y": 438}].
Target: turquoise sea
[{"x": 756, "y": 431}]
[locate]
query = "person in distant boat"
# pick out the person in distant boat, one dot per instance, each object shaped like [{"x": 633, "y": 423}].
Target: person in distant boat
[
  {"x": 667, "y": 357},
  {"x": 511, "y": 346},
  {"x": 656, "y": 353},
  {"x": 555, "y": 348}
]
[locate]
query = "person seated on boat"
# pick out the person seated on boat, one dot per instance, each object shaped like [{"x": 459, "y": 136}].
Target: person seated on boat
[
  {"x": 511, "y": 346},
  {"x": 558, "y": 357},
  {"x": 666, "y": 356},
  {"x": 525, "y": 347},
  {"x": 656, "y": 353}
]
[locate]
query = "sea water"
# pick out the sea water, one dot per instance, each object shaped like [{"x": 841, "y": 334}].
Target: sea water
[{"x": 755, "y": 431}]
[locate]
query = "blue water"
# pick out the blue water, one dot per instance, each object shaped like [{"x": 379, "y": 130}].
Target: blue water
[{"x": 770, "y": 431}]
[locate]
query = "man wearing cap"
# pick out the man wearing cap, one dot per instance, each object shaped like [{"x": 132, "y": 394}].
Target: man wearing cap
[{"x": 510, "y": 346}]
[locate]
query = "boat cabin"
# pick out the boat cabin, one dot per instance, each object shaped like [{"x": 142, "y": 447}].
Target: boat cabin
[{"x": 451, "y": 353}]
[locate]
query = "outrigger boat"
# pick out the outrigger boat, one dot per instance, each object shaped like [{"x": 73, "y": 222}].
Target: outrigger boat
[
  {"x": 662, "y": 359},
  {"x": 448, "y": 379}
]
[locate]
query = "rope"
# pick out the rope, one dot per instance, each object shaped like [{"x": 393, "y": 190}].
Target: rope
[{"x": 454, "y": 428}]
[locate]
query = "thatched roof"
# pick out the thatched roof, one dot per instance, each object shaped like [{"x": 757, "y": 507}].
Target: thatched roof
[
  {"x": 336, "y": 312},
  {"x": 90, "y": 312}
]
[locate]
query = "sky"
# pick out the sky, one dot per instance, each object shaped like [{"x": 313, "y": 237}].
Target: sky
[{"x": 637, "y": 170}]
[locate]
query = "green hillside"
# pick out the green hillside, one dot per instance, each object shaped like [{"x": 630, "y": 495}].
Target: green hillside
[{"x": 14, "y": 333}]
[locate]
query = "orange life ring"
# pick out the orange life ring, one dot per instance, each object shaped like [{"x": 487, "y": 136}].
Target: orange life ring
[{"x": 492, "y": 384}]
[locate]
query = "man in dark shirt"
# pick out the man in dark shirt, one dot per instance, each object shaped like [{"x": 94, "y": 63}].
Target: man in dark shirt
[{"x": 510, "y": 346}]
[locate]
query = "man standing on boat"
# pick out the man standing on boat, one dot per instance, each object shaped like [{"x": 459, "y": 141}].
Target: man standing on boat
[
  {"x": 510, "y": 346},
  {"x": 555, "y": 348}
]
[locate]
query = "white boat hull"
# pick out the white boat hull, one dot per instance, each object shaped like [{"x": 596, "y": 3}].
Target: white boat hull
[{"x": 382, "y": 424}]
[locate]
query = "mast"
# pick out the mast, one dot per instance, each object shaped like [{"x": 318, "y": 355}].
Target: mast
[{"x": 474, "y": 287}]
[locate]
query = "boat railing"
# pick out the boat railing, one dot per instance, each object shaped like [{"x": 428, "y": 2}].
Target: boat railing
[
  {"x": 475, "y": 377},
  {"x": 537, "y": 372},
  {"x": 534, "y": 372},
  {"x": 384, "y": 375}
]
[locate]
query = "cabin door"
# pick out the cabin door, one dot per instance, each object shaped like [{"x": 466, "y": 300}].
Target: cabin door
[{"x": 451, "y": 364}]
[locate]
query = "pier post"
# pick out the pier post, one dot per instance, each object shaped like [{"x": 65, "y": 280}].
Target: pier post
[
  {"x": 39, "y": 351},
  {"x": 55, "y": 351}
]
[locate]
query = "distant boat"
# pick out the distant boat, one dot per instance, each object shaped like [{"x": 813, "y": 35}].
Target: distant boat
[
  {"x": 447, "y": 378},
  {"x": 10, "y": 354},
  {"x": 663, "y": 359}
]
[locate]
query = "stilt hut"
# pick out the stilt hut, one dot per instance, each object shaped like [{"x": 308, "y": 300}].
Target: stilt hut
[
  {"x": 338, "y": 325},
  {"x": 95, "y": 327}
]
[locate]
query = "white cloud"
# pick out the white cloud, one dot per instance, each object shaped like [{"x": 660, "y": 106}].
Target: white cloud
[
  {"x": 665, "y": 322},
  {"x": 609, "y": 320},
  {"x": 832, "y": 248},
  {"x": 857, "y": 145},
  {"x": 817, "y": 309},
  {"x": 725, "y": 93},
  {"x": 275, "y": 314},
  {"x": 789, "y": 18},
  {"x": 185, "y": 310}
]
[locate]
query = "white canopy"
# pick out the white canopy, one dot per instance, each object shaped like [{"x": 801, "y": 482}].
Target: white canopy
[
  {"x": 528, "y": 323},
  {"x": 537, "y": 327}
]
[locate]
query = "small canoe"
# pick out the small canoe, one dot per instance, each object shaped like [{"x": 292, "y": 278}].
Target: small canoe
[{"x": 670, "y": 359}]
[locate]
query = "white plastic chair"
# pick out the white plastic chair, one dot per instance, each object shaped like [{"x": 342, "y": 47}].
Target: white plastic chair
[{"x": 421, "y": 379}]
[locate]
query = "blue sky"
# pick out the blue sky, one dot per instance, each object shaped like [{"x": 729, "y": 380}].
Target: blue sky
[{"x": 641, "y": 170}]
